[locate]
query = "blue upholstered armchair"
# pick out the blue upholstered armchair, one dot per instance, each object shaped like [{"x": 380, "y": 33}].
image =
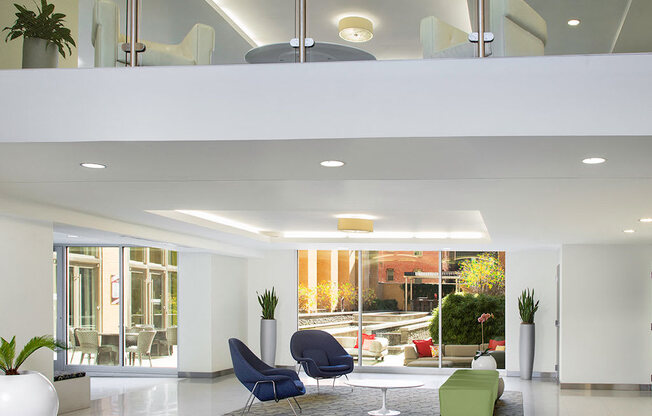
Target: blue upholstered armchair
[
  {"x": 320, "y": 355},
  {"x": 264, "y": 382}
]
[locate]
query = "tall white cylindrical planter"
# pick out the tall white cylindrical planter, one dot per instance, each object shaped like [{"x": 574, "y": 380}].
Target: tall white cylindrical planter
[
  {"x": 39, "y": 53},
  {"x": 268, "y": 341},
  {"x": 28, "y": 394},
  {"x": 526, "y": 351}
]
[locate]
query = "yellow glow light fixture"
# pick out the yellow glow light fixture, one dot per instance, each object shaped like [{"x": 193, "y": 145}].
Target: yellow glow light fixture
[
  {"x": 356, "y": 29},
  {"x": 355, "y": 225}
]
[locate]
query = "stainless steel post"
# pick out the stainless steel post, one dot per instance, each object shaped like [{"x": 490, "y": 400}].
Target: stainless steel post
[
  {"x": 441, "y": 274},
  {"x": 360, "y": 306},
  {"x": 134, "y": 21},
  {"x": 481, "y": 51},
  {"x": 302, "y": 31}
]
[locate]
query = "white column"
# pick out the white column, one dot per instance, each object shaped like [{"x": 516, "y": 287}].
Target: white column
[{"x": 26, "y": 298}]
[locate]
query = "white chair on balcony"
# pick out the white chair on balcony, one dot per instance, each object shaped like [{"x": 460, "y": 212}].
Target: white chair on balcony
[
  {"x": 195, "y": 49},
  {"x": 518, "y": 29},
  {"x": 143, "y": 347}
]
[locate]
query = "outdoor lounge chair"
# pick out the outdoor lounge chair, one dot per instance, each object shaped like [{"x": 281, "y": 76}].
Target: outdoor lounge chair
[
  {"x": 320, "y": 355},
  {"x": 264, "y": 382}
]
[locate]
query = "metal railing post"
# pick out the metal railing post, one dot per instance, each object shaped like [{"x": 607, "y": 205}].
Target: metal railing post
[
  {"x": 481, "y": 50},
  {"x": 134, "y": 21},
  {"x": 302, "y": 31}
]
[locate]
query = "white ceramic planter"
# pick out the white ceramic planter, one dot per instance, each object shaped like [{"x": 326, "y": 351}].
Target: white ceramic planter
[
  {"x": 268, "y": 341},
  {"x": 485, "y": 362},
  {"x": 39, "y": 53},
  {"x": 28, "y": 394},
  {"x": 526, "y": 350}
]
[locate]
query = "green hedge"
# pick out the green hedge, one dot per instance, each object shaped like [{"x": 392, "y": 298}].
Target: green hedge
[{"x": 460, "y": 319}]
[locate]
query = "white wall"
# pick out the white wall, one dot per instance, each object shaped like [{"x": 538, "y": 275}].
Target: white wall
[
  {"x": 26, "y": 303},
  {"x": 211, "y": 310},
  {"x": 534, "y": 269},
  {"x": 278, "y": 269},
  {"x": 219, "y": 102},
  {"x": 229, "y": 310},
  {"x": 606, "y": 311}
]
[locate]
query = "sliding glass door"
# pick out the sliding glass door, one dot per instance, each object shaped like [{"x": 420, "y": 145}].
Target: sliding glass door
[{"x": 120, "y": 306}]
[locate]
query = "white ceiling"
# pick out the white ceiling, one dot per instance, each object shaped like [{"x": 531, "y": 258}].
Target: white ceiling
[{"x": 528, "y": 191}]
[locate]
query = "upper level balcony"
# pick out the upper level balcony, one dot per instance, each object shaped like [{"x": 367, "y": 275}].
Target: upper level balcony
[
  {"x": 373, "y": 68},
  {"x": 217, "y": 32}
]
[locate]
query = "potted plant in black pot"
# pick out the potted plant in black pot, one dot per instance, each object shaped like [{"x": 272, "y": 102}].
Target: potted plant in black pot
[
  {"x": 527, "y": 307},
  {"x": 26, "y": 392},
  {"x": 44, "y": 35}
]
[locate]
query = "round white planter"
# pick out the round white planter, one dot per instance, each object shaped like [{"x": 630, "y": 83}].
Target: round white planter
[
  {"x": 28, "y": 394},
  {"x": 485, "y": 362}
]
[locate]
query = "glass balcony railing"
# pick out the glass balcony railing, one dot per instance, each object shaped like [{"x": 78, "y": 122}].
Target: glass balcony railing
[{"x": 93, "y": 33}]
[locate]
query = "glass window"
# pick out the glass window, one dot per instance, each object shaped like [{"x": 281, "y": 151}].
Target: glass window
[
  {"x": 93, "y": 314},
  {"x": 151, "y": 312},
  {"x": 400, "y": 294}
]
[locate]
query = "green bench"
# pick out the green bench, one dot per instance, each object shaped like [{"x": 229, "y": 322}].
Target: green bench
[{"x": 469, "y": 393}]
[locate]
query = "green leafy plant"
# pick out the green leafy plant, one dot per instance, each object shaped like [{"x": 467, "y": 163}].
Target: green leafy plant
[
  {"x": 482, "y": 274},
  {"x": 268, "y": 301},
  {"x": 527, "y": 307},
  {"x": 459, "y": 318},
  {"x": 8, "y": 352},
  {"x": 480, "y": 354},
  {"x": 42, "y": 25}
]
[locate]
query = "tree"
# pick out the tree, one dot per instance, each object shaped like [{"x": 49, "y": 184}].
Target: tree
[{"x": 482, "y": 274}]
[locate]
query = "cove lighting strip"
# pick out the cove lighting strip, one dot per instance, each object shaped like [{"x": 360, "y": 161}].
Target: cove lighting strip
[
  {"x": 462, "y": 235},
  {"x": 220, "y": 220}
]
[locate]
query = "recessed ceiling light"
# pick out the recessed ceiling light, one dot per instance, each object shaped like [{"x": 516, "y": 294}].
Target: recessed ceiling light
[
  {"x": 72, "y": 236},
  {"x": 332, "y": 163},
  {"x": 92, "y": 165},
  {"x": 645, "y": 220},
  {"x": 629, "y": 231},
  {"x": 574, "y": 22},
  {"x": 594, "y": 160},
  {"x": 356, "y": 29}
]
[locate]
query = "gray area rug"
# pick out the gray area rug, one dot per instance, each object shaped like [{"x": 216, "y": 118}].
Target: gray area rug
[{"x": 342, "y": 401}]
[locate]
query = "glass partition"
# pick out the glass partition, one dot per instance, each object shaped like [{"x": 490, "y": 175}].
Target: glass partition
[
  {"x": 402, "y": 294},
  {"x": 121, "y": 304},
  {"x": 215, "y": 32},
  {"x": 93, "y": 310},
  {"x": 150, "y": 312},
  {"x": 328, "y": 293},
  {"x": 399, "y": 292}
]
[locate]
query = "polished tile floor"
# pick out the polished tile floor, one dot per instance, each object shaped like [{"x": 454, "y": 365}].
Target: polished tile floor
[{"x": 190, "y": 397}]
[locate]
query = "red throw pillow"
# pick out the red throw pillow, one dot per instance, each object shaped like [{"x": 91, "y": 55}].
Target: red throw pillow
[
  {"x": 423, "y": 347},
  {"x": 365, "y": 337},
  {"x": 493, "y": 344}
]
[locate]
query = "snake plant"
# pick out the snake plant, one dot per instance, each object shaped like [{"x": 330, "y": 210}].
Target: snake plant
[
  {"x": 527, "y": 307},
  {"x": 8, "y": 352},
  {"x": 268, "y": 301}
]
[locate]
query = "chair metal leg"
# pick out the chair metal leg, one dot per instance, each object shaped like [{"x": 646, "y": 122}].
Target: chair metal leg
[
  {"x": 150, "y": 360},
  {"x": 247, "y": 406},
  {"x": 334, "y": 378},
  {"x": 298, "y": 405},
  {"x": 317, "y": 385},
  {"x": 291, "y": 407},
  {"x": 347, "y": 379}
]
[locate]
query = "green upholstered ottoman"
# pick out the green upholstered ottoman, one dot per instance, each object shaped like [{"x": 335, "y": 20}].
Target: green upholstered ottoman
[{"x": 469, "y": 393}]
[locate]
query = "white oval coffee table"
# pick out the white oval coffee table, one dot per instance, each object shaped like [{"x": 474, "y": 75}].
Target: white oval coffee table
[{"x": 384, "y": 385}]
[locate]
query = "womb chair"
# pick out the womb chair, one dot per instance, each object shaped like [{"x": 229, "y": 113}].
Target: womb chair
[
  {"x": 320, "y": 355},
  {"x": 264, "y": 382}
]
